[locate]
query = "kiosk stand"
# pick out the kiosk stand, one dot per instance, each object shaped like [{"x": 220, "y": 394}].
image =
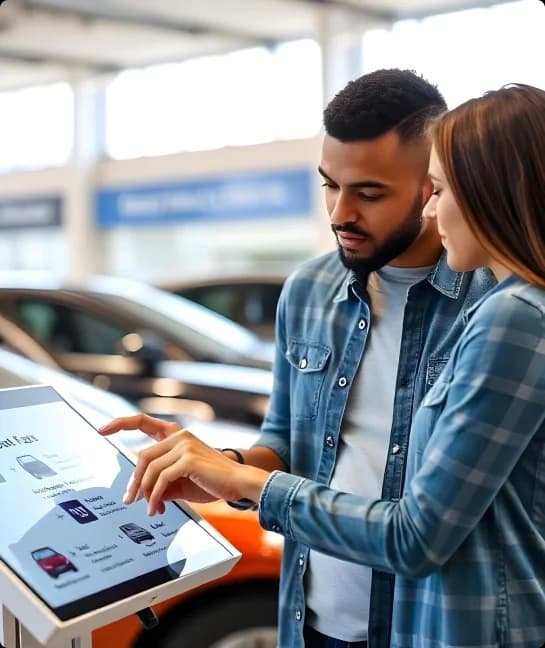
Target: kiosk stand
[
  {"x": 14, "y": 635},
  {"x": 73, "y": 556}
]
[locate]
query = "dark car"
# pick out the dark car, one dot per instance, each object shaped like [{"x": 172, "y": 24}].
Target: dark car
[
  {"x": 163, "y": 352},
  {"x": 240, "y": 607},
  {"x": 248, "y": 300},
  {"x": 35, "y": 467},
  {"x": 136, "y": 533}
]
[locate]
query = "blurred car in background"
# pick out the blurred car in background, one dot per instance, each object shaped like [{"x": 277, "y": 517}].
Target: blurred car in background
[
  {"x": 167, "y": 354},
  {"x": 248, "y": 300},
  {"x": 236, "y": 610},
  {"x": 14, "y": 338}
]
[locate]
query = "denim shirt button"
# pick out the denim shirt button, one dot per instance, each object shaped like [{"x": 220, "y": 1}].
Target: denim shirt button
[
  {"x": 330, "y": 441},
  {"x": 395, "y": 448},
  {"x": 301, "y": 560},
  {"x": 298, "y": 615},
  {"x": 342, "y": 382},
  {"x": 275, "y": 528},
  {"x": 362, "y": 324},
  {"x": 303, "y": 363}
]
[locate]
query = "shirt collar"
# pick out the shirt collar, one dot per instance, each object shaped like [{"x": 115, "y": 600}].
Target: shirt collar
[
  {"x": 441, "y": 277},
  {"x": 511, "y": 280},
  {"x": 351, "y": 285},
  {"x": 445, "y": 280}
]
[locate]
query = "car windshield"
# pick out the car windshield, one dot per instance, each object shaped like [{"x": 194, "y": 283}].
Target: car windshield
[
  {"x": 181, "y": 319},
  {"x": 40, "y": 554}
]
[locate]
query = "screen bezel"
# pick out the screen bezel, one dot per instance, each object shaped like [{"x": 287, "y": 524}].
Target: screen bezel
[{"x": 13, "y": 398}]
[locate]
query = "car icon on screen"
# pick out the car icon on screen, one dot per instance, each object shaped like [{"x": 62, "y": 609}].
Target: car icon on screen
[
  {"x": 35, "y": 467},
  {"x": 52, "y": 562},
  {"x": 136, "y": 533}
]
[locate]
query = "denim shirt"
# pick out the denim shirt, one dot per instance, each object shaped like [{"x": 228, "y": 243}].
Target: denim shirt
[
  {"x": 467, "y": 538},
  {"x": 323, "y": 322}
]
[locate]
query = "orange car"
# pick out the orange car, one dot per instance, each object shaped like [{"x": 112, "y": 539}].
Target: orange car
[{"x": 239, "y": 609}]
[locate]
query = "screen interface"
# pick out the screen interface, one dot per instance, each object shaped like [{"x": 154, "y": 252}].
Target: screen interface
[{"x": 65, "y": 529}]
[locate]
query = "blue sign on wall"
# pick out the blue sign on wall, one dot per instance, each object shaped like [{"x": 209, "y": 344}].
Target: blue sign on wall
[
  {"x": 38, "y": 211},
  {"x": 256, "y": 195}
]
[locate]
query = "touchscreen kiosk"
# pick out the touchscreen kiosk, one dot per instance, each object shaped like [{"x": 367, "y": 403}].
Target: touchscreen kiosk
[{"x": 72, "y": 555}]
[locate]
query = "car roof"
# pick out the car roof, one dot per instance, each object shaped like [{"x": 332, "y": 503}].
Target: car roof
[
  {"x": 276, "y": 279},
  {"x": 203, "y": 328}
]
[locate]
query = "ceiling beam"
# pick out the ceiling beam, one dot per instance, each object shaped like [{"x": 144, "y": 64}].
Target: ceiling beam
[
  {"x": 477, "y": 4},
  {"x": 359, "y": 10},
  {"x": 33, "y": 58},
  {"x": 390, "y": 16},
  {"x": 90, "y": 9}
]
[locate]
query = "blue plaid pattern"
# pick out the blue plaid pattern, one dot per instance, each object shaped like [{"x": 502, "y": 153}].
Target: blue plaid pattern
[
  {"x": 467, "y": 538},
  {"x": 323, "y": 322}
]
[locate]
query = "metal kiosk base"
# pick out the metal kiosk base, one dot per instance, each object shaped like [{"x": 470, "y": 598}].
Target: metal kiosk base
[{"x": 14, "y": 635}]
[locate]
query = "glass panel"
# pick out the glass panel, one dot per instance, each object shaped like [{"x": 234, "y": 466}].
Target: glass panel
[
  {"x": 449, "y": 49},
  {"x": 242, "y": 98},
  {"x": 37, "y": 127}
]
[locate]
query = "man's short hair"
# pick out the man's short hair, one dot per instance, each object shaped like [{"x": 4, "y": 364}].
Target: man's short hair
[{"x": 383, "y": 101}]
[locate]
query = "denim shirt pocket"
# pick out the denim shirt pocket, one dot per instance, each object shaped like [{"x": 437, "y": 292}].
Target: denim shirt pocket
[
  {"x": 434, "y": 369},
  {"x": 308, "y": 361}
]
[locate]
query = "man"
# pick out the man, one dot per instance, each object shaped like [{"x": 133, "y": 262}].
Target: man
[{"x": 362, "y": 333}]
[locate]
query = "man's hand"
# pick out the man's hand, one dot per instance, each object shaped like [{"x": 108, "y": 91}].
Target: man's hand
[
  {"x": 155, "y": 428},
  {"x": 180, "y": 466},
  {"x": 158, "y": 430}
]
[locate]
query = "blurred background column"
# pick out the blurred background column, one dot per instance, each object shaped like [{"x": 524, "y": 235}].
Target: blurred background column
[
  {"x": 85, "y": 255},
  {"x": 339, "y": 33}
]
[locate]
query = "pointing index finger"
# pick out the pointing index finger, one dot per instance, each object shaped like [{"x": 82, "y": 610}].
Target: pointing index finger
[{"x": 155, "y": 428}]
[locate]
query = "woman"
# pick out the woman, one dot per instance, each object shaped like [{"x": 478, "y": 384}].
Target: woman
[{"x": 467, "y": 539}]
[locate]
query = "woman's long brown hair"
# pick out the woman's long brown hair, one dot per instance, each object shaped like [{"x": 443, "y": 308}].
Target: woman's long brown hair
[{"x": 492, "y": 150}]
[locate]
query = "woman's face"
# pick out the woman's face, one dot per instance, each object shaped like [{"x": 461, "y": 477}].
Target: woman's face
[{"x": 464, "y": 252}]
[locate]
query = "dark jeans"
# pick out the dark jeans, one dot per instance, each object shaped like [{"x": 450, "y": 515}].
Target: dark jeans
[{"x": 315, "y": 639}]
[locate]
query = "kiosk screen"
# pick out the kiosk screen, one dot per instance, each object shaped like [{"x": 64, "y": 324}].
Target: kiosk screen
[{"x": 65, "y": 530}]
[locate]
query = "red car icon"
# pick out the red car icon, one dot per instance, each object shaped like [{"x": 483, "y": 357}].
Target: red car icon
[{"x": 52, "y": 562}]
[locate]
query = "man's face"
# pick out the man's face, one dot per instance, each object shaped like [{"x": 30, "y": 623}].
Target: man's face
[{"x": 375, "y": 191}]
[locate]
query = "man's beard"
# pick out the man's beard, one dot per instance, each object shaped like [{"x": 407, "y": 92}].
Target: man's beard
[{"x": 398, "y": 242}]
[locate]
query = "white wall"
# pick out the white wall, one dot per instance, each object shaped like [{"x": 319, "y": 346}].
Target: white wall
[
  {"x": 163, "y": 252},
  {"x": 191, "y": 249}
]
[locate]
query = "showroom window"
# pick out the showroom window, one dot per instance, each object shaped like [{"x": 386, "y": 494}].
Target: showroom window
[
  {"x": 449, "y": 49},
  {"x": 245, "y": 97},
  {"x": 37, "y": 127}
]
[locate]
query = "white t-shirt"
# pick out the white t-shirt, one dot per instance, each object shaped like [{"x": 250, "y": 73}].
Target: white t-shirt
[{"x": 338, "y": 592}]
